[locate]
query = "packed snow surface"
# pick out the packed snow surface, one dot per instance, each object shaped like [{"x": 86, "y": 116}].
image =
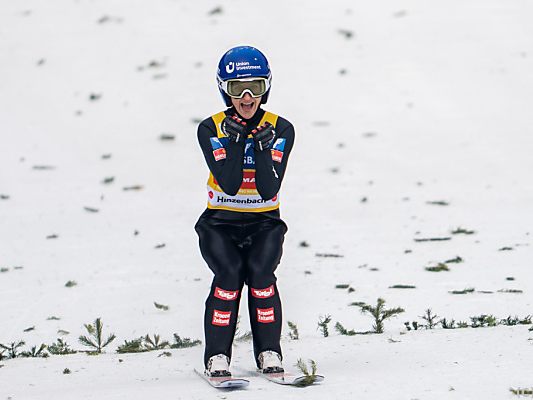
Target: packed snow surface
[{"x": 412, "y": 119}]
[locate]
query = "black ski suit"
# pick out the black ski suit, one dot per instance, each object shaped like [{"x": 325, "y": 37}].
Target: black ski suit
[{"x": 243, "y": 246}]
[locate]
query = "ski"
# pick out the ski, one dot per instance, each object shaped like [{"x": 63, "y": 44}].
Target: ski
[
  {"x": 224, "y": 382},
  {"x": 286, "y": 378}
]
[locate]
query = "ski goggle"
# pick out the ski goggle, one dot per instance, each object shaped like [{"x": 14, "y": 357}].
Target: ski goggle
[{"x": 237, "y": 88}]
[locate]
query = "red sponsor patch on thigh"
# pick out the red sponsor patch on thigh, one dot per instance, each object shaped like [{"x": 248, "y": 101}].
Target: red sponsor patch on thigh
[
  {"x": 226, "y": 294},
  {"x": 263, "y": 293},
  {"x": 221, "y": 318},
  {"x": 265, "y": 315}
]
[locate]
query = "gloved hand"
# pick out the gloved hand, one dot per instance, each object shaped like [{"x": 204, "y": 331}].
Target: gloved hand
[
  {"x": 263, "y": 136},
  {"x": 235, "y": 129}
]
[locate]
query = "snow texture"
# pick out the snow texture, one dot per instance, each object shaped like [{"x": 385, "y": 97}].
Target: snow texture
[{"x": 396, "y": 105}]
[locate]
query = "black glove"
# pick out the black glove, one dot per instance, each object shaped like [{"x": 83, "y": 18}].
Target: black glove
[
  {"x": 235, "y": 129},
  {"x": 263, "y": 136}
]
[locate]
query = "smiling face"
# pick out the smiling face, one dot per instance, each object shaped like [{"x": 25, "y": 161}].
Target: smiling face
[{"x": 247, "y": 106}]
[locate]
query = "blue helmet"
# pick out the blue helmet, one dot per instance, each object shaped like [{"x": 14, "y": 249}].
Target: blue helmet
[{"x": 243, "y": 62}]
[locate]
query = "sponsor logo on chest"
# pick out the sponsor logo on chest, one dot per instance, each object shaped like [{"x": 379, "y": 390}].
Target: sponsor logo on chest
[
  {"x": 248, "y": 179},
  {"x": 249, "y": 155}
]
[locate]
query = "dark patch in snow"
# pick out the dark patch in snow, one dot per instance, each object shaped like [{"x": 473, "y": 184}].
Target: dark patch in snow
[
  {"x": 346, "y": 33},
  {"x": 438, "y": 203},
  {"x": 134, "y": 187},
  {"x": 328, "y": 255},
  {"x": 167, "y": 137},
  {"x": 400, "y": 14},
  {"x": 216, "y": 11},
  {"x": 434, "y": 239}
]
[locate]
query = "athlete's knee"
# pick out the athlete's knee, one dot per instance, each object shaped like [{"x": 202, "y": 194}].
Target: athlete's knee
[
  {"x": 260, "y": 275},
  {"x": 229, "y": 278}
]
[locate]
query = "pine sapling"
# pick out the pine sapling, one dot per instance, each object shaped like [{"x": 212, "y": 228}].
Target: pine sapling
[
  {"x": 483, "y": 320},
  {"x": 180, "y": 343},
  {"x": 343, "y": 331},
  {"x": 309, "y": 377},
  {"x": 448, "y": 324},
  {"x": 12, "y": 349},
  {"x": 242, "y": 337},
  {"x": 522, "y": 391},
  {"x": 94, "y": 340},
  {"x": 411, "y": 326},
  {"x": 154, "y": 344},
  {"x": 511, "y": 321},
  {"x": 132, "y": 346},
  {"x": 430, "y": 318},
  {"x": 293, "y": 333},
  {"x": 36, "y": 352},
  {"x": 323, "y": 322},
  {"x": 60, "y": 348},
  {"x": 380, "y": 314}
]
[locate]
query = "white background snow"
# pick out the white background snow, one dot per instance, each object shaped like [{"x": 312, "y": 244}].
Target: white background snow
[{"x": 425, "y": 101}]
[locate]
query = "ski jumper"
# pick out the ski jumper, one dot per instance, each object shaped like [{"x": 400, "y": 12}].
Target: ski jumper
[{"x": 241, "y": 233}]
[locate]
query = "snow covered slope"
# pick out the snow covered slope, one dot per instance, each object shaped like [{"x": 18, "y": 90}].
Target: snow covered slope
[{"x": 412, "y": 119}]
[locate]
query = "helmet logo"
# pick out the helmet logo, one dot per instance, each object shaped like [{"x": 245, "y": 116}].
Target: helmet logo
[{"x": 230, "y": 67}]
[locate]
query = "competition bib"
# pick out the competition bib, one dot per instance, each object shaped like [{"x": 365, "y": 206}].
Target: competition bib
[{"x": 247, "y": 198}]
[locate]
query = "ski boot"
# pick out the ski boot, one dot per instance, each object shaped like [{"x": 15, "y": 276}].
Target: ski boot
[
  {"x": 270, "y": 362},
  {"x": 218, "y": 366}
]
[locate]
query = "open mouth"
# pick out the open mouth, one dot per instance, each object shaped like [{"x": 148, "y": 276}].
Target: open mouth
[{"x": 247, "y": 106}]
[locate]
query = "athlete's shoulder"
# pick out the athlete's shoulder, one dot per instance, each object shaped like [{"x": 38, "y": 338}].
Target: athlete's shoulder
[
  {"x": 280, "y": 120},
  {"x": 283, "y": 125},
  {"x": 209, "y": 122}
]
